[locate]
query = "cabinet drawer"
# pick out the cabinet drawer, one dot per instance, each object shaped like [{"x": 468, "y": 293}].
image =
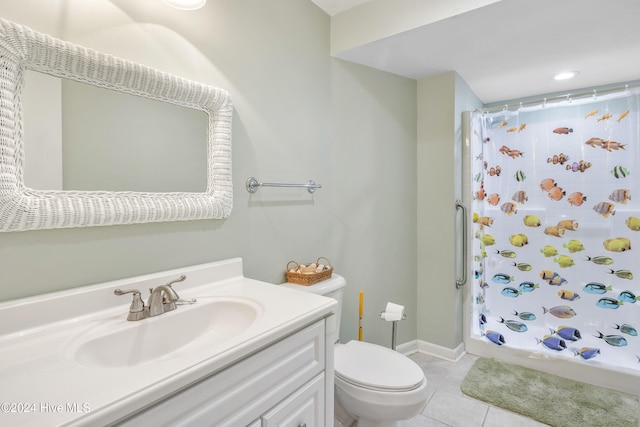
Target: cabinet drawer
[
  {"x": 305, "y": 407},
  {"x": 241, "y": 393}
]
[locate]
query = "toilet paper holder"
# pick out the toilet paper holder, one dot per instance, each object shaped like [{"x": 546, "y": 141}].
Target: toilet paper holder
[{"x": 393, "y": 316}]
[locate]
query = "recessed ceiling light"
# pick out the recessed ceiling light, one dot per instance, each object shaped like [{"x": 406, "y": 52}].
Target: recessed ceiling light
[
  {"x": 565, "y": 75},
  {"x": 186, "y": 4}
]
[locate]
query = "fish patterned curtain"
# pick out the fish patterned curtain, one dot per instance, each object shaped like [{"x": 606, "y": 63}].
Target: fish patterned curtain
[{"x": 556, "y": 212}]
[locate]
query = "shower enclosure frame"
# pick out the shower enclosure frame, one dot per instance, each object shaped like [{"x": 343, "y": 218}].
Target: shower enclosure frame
[{"x": 624, "y": 381}]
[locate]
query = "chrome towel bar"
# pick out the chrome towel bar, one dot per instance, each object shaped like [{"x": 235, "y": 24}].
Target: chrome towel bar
[{"x": 253, "y": 185}]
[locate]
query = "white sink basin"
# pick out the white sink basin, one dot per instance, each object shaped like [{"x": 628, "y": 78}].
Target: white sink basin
[{"x": 208, "y": 322}]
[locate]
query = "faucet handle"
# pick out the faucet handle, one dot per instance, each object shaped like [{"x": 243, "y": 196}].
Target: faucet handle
[
  {"x": 136, "y": 310},
  {"x": 182, "y": 278}
]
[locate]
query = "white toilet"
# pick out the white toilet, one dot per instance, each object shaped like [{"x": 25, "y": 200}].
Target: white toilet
[{"x": 375, "y": 385}]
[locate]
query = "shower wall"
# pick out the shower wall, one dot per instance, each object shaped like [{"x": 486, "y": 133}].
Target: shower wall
[{"x": 555, "y": 227}]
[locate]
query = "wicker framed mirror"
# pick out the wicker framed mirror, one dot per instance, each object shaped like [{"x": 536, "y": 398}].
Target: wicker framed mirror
[{"x": 23, "y": 208}]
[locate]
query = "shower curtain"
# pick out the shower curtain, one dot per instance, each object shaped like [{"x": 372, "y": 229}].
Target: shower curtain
[{"x": 556, "y": 229}]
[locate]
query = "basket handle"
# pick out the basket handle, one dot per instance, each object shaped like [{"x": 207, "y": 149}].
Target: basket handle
[
  {"x": 328, "y": 262},
  {"x": 297, "y": 265}
]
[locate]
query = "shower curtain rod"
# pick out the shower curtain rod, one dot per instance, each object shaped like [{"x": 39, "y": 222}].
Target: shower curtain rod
[{"x": 567, "y": 97}]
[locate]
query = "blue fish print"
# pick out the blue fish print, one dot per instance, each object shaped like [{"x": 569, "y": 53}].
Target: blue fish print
[
  {"x": 482, "y": 319},
  {"x": 627, "y": 329},
  {"x": 614, "y": 340},
  {"x": 528, "y": 287},
  {"x": 514, "y": 325},
  {"x": 525, "y": 315},
  {"x": 511, "y": 292},
  {"x": 587, "y": 353},
  {"x": 608, "y": 303},
  {"x": 568, "y": 333},
  {"x": 495, "y": 337},
  {"x": 628, "y": 296},
  {"x": 596, "y": 288},
  {"x": 553, "y": 343},
  {"x": 502, "y": 278}
]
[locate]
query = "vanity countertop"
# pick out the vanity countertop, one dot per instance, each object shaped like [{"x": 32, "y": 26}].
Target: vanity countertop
[{"x": 43, "y": 382}]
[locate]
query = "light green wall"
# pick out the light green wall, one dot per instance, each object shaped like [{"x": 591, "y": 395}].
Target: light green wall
[
  {"x": 441, "y": 101},
  {"x": 298, "y": 115}
]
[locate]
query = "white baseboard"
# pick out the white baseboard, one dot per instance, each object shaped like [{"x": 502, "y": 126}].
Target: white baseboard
[
  {"x": 408, "y": 347},
  {"x": 432, "y": 349}
]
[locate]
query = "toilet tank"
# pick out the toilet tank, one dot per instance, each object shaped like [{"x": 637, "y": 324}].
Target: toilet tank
[{"x": 332, "y": 288}]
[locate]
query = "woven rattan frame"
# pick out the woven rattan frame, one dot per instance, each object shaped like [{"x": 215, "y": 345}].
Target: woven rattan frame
[{"x": 23, "y": 208}]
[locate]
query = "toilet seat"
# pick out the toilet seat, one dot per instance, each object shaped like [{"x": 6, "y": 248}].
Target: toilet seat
[{"x": 363, "y": 364}]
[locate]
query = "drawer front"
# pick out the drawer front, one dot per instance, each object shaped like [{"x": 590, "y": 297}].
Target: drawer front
[
  {"x": 240, "y": 394},
  {"x": 304, "y": 408}
]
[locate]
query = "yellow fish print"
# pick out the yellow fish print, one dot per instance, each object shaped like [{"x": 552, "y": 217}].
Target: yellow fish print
[
  {"x": 606, "y": 116},
  {"x": 568, "y": 295},
  {"x": 633, "y": 223},
  {"x": 568, "y": 224},
  {"x": 564, "y": 261},
  {"x": 531, "y": 221},
  {"x": 574, "y": 246},
  {"x": 518, "y": 240},
  {"x": 622, "y": 116},
  {"x": 591, "y": 113},
  {"x": 619, "y": 244},
  {"x": 484, "y": 220},
  {"x": 554, "y": 231}
]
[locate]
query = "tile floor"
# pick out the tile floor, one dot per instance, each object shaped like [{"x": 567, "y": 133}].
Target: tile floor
[{"x": 449, "y": 407}]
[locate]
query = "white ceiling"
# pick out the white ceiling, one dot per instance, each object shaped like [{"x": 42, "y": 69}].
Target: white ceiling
[{"x": 512, "y": 49}]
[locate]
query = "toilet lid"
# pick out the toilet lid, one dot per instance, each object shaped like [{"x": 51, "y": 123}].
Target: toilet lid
[{"x": 375, "y": 367}]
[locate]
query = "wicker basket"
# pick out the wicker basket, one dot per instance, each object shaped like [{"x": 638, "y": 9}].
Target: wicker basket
[{"x": 310, "y": 277}]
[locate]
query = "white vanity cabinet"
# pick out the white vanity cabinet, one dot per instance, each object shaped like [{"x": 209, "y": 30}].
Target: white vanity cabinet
[
  {"x": 284, "y": 384},
  {"x": 248, "y": 353}
]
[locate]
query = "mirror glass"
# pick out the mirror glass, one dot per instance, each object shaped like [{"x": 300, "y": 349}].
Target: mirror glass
[{"x": 105, "y": 141}]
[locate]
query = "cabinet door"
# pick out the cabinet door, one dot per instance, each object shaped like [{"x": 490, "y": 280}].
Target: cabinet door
[
  {"x": 246, "y": 390},
  {"x": 304, "y": 408}
]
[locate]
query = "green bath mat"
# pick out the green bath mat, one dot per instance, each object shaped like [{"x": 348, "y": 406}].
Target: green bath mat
[{"x": 547, "y": 398}]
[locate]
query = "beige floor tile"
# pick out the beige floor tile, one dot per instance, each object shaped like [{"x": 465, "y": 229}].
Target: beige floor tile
[
  {"x": 449, "y": 407},
  {"x": 422, "y": 421},
  {"x": 456, "y": 410},
  {"x": 497, "y": 417}
]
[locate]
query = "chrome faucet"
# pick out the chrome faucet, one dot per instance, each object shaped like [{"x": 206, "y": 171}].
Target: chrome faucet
[{"x": 162, "y": 299}]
